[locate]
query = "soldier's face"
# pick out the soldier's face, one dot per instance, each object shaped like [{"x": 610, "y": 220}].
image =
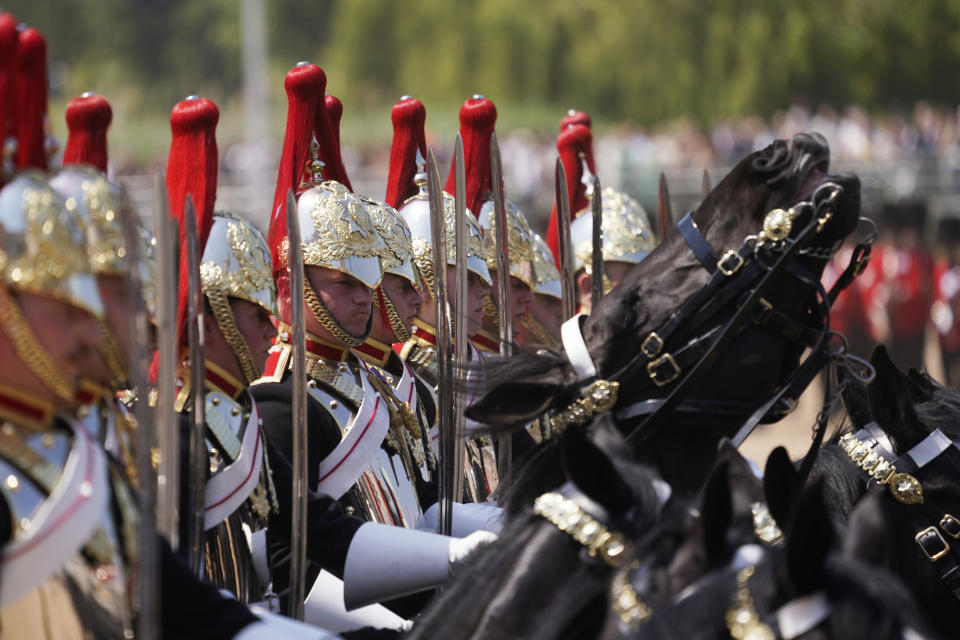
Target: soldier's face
[
  {"x": 477, "y": 290},
  {"x": 72, "y": 336},
  {"x": 253, "y": 323},
  {"x": 405, "y": 298},
  {"x": 520, "y": 299},
  {"x": 349, "y": 301},
  {"x": 617, "y": 271},
  {"x": 548, "y": 311}
]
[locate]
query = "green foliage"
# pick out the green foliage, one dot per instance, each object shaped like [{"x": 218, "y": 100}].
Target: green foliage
[{"x": 639, "y": 60}]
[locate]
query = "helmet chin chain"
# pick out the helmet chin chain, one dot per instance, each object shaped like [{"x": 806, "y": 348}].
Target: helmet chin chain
[
  {"x": 323, "y": 316},
  {"x": 490, "y": 310},
  {"x": 223, "y": 315},
  {"x": 113, "y": 355},
  {"x": 400, "y": 331},
  {"x": 30, "y": 351}
]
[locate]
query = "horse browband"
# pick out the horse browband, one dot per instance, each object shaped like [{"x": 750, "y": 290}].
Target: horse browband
[{"x": 870, "y": 449}]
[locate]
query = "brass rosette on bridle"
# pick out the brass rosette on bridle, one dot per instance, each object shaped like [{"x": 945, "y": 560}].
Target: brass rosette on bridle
[
  {"x": 236, "y": 264},
  {"x": 519, "y": 241},
  {"x": 42, "y": 251},
  {"x": 416, "y": 212},
  {"x": 627, "y": 234}
]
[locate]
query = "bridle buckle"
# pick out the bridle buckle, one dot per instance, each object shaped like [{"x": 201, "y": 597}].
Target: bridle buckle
[
  {"x": 652, "y": 345},
  {"x": 730, "y": 263},
  {"x": 933, "y": 545},
  {"x": 663, "y": 370},
  {"x": 950, "y": 525}
]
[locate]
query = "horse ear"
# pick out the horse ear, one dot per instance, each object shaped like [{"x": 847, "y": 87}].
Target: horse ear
[
  {"x": 716, "y": 514},
  {"x": 809, "y": 539},
  {"x": 781, "y": 483},
  {"x": 514, "y": 403},
  {"x": 891, "y": 403},
  {"x": 921, "y": 385},
  {"x": 868, "y": 534},
  {"x": 855, "y": 398},
  {"x": 745, "y": 487},
  {"x": 594, "y": 473}
]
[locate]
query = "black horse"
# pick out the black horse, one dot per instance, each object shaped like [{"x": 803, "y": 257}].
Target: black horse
[
  {"x": 907, "y": 408},
  {"x": 738, "y": 375},
  {"x": 539, "y": 581},
  {"x": 804, "y": 588}
]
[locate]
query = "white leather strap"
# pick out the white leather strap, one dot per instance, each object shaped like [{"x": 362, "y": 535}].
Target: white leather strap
[
  {"x": 230, "y": 486},
  {"x": 576, "y": 348},
  {"x": 799, "y": 616},
  {"x": 346, "y": 463},
  {"x": 64, "y": 522},
  {"x": 929, "y": 448}
]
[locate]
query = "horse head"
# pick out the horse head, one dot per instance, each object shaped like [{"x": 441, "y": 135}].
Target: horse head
[
  {"x": 712, "y": 321},
  {"x": 803, "y": 588},
  {"x": 905, "y": 451},
  {"x": 546, "y": 576}
]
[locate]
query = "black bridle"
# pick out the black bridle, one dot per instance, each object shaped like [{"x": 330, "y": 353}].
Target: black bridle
[
  {"x": 745, "y": 275},
  {"x": 871, "y": 450}
]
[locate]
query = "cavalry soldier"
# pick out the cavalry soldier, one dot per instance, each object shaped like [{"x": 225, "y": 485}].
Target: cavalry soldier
[
  {"x": 397, "y": 300},
  {"x": 407, "y": 185},
  {"x": 69, "y": 519},
  {"x": 99, "y": 207},
  {"x": 627, "y": 235},
  {"x": 98, "y": 204},
  {"x": 477, "y": 117},
  {"x": 350, "y": 457},
  {"x": 51, "y": 315},
  {"x": 541, "y": 324}
]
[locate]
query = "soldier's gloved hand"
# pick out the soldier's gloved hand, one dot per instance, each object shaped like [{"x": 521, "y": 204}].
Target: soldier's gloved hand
[{"x": 460, "y": 548}]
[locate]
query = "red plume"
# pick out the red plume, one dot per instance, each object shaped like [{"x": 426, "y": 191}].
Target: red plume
[
  {"x": 31, "y": 88},
  {"x": 88, "y": 118},
  {"x": 572, "y": 141},
  {"x": 304, "y": 84},
  {"x": 477, "y": 117},
  {"x": 192, "y": 170},
  {"x": 335, "y": 113},
  {"x": 408, "y": 118},
  {"x": 327, "y": 131},
  {"x": 9, "y": 42},
  {"x": 575, "y": 117}
]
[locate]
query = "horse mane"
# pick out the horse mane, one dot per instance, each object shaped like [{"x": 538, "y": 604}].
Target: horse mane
[{"x": 536, "y": 569}]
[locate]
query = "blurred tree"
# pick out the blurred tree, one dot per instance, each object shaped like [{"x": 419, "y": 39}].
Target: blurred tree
[{"x": 640, "y": 60}]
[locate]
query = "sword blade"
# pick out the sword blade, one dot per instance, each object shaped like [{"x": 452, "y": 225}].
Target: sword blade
[
  {"x": 167, "y": 423},
  {"x": 501, "y": 242},
  {"x": 199, "y": 461},
  {"x": 596, "y": 287},
  {"x": 666, "y": 214},
  {"x": 568, "y": 294},
  {"x": 139, "y": 356},
  {"x": 298, "y": 526},
  {"x": 461, "y": 343},
  {"x": 444, "y": 354}
]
